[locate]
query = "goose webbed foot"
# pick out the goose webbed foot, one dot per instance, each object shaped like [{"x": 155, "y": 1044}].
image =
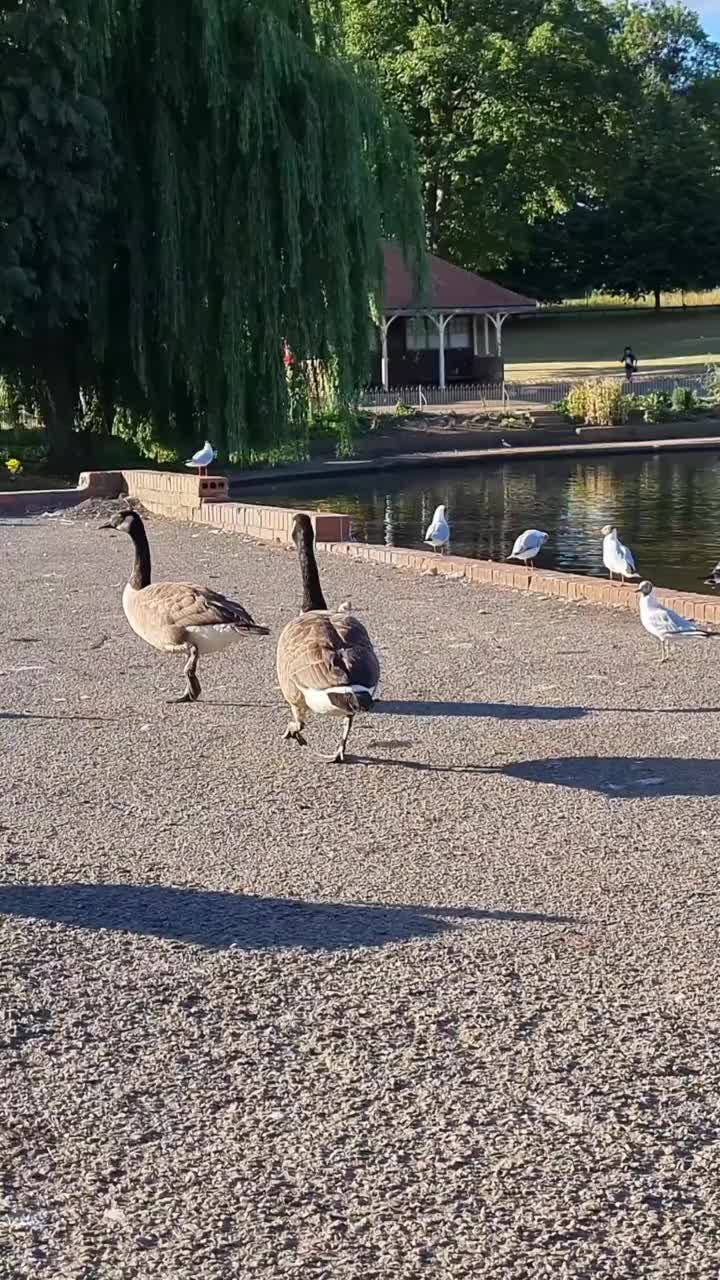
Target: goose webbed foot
[
  {"x": 295, "y": 732},
  {"x": 192, "y": 689}
]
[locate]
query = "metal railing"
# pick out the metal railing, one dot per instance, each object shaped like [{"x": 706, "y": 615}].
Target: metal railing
[{"x": 504, "y": 393}]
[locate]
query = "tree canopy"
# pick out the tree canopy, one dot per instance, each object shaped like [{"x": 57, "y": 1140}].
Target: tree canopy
[
  {"x": 185, "y": 187},
  {"x": 564, "y": 146}
]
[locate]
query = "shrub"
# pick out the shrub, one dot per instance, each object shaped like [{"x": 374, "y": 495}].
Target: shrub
[
  {"x": 656, "y": 406},
  {"x": 683, "y": 400},
  {"x": 598, "y": 402},
  {"x": 712, "y": 384}
]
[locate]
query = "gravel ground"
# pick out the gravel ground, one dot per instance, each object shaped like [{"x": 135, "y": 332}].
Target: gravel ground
[{"x": 449, "y": 1010}]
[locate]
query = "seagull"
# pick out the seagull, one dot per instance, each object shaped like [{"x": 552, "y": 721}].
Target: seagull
[
  {"x": 665, "y": 624},
  {"x": 713, "y": 578},
  {"x": 202, "y": 459},
  {"x": 617, "y": 558},
  {"x": 528, "y": 546},
  {"x": 505, "y": 443},
  {"x": 438, "y": 531}
]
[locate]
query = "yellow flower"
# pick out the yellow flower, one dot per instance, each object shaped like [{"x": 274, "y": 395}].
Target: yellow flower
[{"x": 14, "y": 466}]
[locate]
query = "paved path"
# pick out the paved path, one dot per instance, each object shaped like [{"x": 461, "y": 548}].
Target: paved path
[{"x": 449, "y": 1011}]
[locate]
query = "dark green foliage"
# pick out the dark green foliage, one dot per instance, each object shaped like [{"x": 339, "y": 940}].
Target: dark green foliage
[
  {"x": 56, "y": 163},
  {"x": 653, "y": 223},
  {"x": 222, "y": 186},
  {"x": 508, "y": 105}
]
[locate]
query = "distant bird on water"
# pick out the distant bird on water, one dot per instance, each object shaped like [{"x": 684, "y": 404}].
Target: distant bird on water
[
  {"x": 528, "y": 547},
  {"x": 202, "y": 459},
  {"x": 713, "y": 578},
  {"x": 617, "y": 558},
  {"x": 438, "y": 531},
  {"x": 665, "y": 624},
  {"x": 505, "y": 443}
]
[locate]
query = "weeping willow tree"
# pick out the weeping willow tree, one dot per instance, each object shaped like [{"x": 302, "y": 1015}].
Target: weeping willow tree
[{"x": 250, "y": 179}]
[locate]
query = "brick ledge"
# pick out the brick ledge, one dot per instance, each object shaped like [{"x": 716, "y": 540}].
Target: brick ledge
[{"x": 546, "y": 582}]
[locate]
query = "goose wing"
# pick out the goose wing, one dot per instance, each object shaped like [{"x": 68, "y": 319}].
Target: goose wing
[
  {"x": 326, "y": 651},
  {"x": 181, "y": 604}
]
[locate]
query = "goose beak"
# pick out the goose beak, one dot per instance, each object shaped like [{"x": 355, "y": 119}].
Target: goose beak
[
  {"x": 107, "y": 525},
  {"x": 637, "y": 591}
]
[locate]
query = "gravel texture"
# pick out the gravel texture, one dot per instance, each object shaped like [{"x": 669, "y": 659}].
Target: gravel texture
[{"x": 447, "y": 1011}]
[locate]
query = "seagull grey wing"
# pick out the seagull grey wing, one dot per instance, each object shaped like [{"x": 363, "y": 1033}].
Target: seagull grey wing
[
  {"x": 627, "y": 557},
  {"x": 672, "y": 623}
]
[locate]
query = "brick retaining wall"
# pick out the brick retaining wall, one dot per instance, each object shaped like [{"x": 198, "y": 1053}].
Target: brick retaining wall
[{"x": 547, "y": 582}]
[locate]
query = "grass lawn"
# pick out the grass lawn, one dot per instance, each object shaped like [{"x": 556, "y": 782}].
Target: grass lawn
[{"x": 587, "y": 344}]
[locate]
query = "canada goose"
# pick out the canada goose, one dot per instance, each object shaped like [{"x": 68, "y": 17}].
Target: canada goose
[
  {"x": 202, "y": 459},
  {"x": 438, "y": 531},
  {"x": 325, "y": 660},
  {"x": 665, "y": 624},
  {"x": 527, "y": 547},
  {"x": 178, "y": 617},
  {"x": 617, "y": 558}
]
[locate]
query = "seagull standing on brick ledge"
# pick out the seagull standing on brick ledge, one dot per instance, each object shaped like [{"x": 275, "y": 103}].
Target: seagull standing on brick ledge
[
  {"x": 438, "y": 531},
  {"x": 527, "y": 547},
  {"x": 617, "y": 558},
  {"x": 202, "y": 459}
]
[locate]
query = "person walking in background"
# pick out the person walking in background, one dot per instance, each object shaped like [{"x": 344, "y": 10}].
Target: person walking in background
[{"x": 629, "y": 359}]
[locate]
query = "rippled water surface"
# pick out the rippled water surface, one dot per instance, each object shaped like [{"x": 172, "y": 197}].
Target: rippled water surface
[{"x": 666, "y": 507}]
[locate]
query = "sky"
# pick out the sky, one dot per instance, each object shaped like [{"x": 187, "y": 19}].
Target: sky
[{"x": 709, "y": 11}]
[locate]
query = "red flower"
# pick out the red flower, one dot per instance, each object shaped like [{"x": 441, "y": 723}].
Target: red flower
[{"x": 288, "y": 358}]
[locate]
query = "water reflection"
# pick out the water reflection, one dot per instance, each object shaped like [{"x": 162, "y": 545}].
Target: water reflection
[{"x": 666, "y": 507}]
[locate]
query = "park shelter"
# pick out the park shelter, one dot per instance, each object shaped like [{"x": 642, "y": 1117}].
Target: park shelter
[{"x": 452, "y": 333}]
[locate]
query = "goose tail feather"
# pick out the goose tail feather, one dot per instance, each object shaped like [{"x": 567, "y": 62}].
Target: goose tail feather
[{"x": 351, "y": 700}]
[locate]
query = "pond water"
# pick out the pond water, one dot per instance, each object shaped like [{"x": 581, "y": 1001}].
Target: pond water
[{"x": 666, "y": 507}]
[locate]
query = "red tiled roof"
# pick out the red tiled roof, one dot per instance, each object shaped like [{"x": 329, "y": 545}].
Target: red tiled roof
[{"x": 448, "y": 288}]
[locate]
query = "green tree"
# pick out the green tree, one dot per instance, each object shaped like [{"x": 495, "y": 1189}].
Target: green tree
[
  {"x": 662, "y": 217},
  {"x": 654, "y": 225},
  {"x": 250, "y": 177},
  {"x": 508, "y": 106},
  {"x": 56, "y": 162}
]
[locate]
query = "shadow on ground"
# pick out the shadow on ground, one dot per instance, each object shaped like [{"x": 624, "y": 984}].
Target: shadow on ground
[
  {"x": 627, "y": 777},
  {"x": 236, "y": 920},
  {"x": 472, "y": 710}
]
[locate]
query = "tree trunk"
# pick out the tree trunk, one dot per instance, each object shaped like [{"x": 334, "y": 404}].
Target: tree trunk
[
  {"x": 656, "y": 296},
  {"x": 59, "y": 400}
]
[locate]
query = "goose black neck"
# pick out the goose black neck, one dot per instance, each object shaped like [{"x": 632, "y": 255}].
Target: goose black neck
[
  {"x": 140, "y": 576},
  {"x": 313, "y": 597}
]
